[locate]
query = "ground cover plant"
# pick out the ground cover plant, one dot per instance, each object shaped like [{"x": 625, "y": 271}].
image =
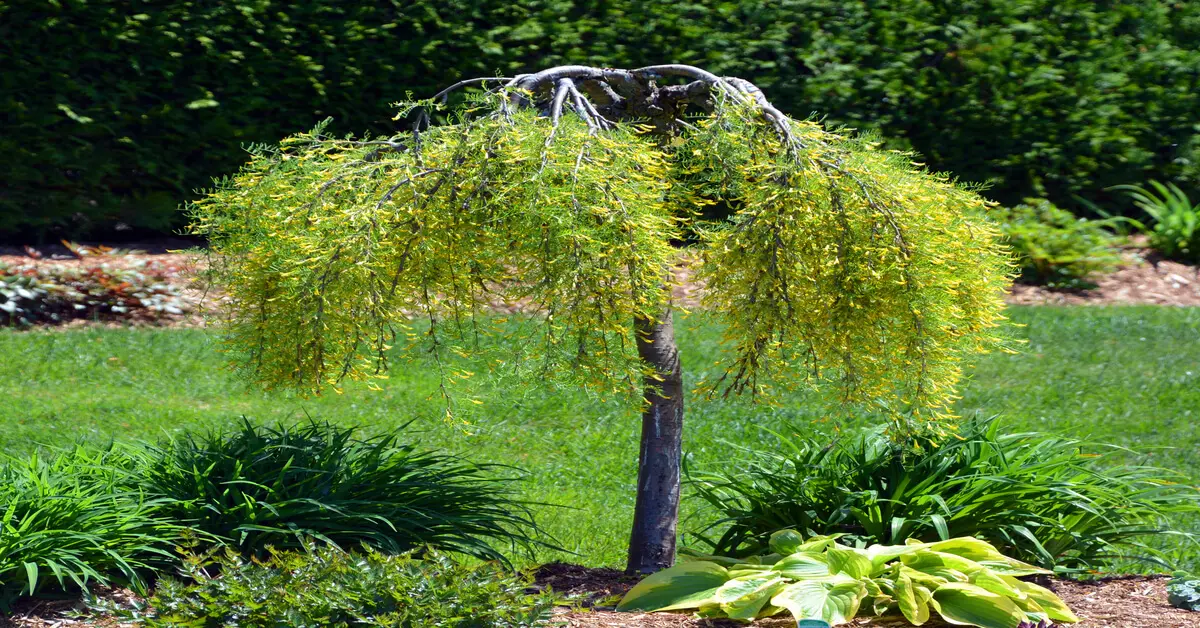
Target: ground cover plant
[
  {"x": 1054, "y": 248},
  {"x": 964, "y": 580},
  {"x": 1059, "y": 502},
  {"x": 257, "y": 486},
  {"x": 323, "y": 586},
  {"x": 1121, "y": 375},
  {"x": 1184, "y": 591},
  {"x": 71, "y": 519}
]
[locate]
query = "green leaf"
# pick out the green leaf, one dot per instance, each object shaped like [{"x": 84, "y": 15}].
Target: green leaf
[
  {"x": 913, "y": 600},
  {"x": 686, "y": 585},
  {"x": 786, "y": 542},
  {"x": 967, "y": 604},
  {"x": 1045, "y": 598},
  {"x": 835, "y": 602},
  {"x": 851, "y": 561},
  {"x": 743, "y": 598},
  {"x": 31, "y": 572},
  {"x": 802, "y": 565},
  {"x": 881, "y": 555}
]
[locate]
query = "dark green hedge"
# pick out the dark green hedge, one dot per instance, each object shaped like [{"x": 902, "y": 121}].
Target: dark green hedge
[{"x": 115, "y": 110}]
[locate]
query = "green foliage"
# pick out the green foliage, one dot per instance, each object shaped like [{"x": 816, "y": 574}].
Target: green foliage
[
  {"x": 1054, "y": 248},
  {"x": 327, "y": 587},
  {"x": 965, "y": 580},
  {"x": 1175, "y": 227},
  {"x": 1058, "y": 502},
  {"x": 114, "y": 116},
  {"x": 47, "y": 292},
  {"x": 1183, "y": 591},
  {"x": 256, "y": 486},
  {"x": 333, "y": 251},
  {"x": 69, "y": 519}
]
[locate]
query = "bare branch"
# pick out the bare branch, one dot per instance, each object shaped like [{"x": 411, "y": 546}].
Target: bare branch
[{"x": 561, "y": 88}]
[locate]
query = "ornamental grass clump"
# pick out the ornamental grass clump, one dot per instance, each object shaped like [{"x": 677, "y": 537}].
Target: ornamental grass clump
[
  {"x": 1058, "y": 502},
  {"x": 256, "y": 486},
  {"x": 70, "y": 519},
  {"x": 843, "y": 268}
]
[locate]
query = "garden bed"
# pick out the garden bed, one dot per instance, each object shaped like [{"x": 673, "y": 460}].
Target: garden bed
[{"x": 1117, "y": 602}]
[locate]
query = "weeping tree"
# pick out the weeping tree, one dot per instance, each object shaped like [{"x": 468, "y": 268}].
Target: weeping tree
[{"x": 578, "y": 193}]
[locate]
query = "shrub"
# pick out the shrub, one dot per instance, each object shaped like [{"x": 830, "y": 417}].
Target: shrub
[
  {"x": 115, "y": 116},
  {"x": 54, "y": 293},
  {"x": 1058, "y": 502},
  {"x": 256, "y": 486},
  {"x": 68, "y": 520},
  {"x": 964, "y": 580},
  {"x": 1054, "y": 248},
  {"x": 327, "y": 587},
  {"x": 1175, "y": 222}
]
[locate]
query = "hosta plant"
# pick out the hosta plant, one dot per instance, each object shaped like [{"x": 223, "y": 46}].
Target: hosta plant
[
  {"x": 964, "y": 580},
  {"x": 1184, "y": 591}
]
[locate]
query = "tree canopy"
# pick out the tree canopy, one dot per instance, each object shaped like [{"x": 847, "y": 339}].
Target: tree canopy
[{"x": 576, "y": 191}]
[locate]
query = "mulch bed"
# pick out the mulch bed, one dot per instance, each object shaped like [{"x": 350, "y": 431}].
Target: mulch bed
[{"x": 1118, "y": 602}]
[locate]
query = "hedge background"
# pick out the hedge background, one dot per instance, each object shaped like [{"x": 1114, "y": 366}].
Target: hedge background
[{"x": 115, "y": 111}]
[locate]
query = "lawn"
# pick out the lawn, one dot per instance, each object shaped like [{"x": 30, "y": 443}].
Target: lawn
[{"x": 1124, "y": 375}]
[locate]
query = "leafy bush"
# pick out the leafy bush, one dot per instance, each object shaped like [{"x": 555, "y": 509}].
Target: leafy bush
[
  {"x": 1175, "y": 227},
  {"x": 68, "y": 520},
  {"x": 1054, "y": 248},
  {"x": 964, "y": 580},
  {"x": 256, "y": 486},
  {"x": 1058, "y": 502},
  {"x": 54, "y": 293},
  {"x": 1183, "y": 591},
  {"x": 1041, "y": 97},
  {"x": 327, "y": 587}
]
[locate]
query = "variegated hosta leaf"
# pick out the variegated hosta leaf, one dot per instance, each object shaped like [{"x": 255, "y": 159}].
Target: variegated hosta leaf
[
  {"x": 834, "y": 601},
  {"x": 967, "y": 604},
  {"x": 743, "y": 598},
  {"x": 802, "y": 565},
  {"x": 686, "y": 585}
]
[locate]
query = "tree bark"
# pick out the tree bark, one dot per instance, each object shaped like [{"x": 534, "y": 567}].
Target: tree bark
[{"x": 652, "y": 541}]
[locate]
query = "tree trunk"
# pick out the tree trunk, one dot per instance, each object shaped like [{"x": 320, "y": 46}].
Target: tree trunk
[{"x": 652, "y": 542}]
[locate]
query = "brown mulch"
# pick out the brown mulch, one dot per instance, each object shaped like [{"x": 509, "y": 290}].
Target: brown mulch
[
  {"x": 1118, "y": 602},
  {"x": 1143, "y": 279}
]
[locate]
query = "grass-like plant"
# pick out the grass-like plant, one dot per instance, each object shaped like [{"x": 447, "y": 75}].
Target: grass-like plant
[
  {"x": 1058, "y": 502},
  {"x": 325, "y": 586},
  {"x": 68, "y": 520},
  {"x": 1175, "y": 227},
  {"x": 256, "y": 486},
  {"x": 1054, "y": 248}
]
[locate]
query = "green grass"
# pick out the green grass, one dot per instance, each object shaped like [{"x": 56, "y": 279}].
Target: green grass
[{"x": 1126, "y": 375}]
